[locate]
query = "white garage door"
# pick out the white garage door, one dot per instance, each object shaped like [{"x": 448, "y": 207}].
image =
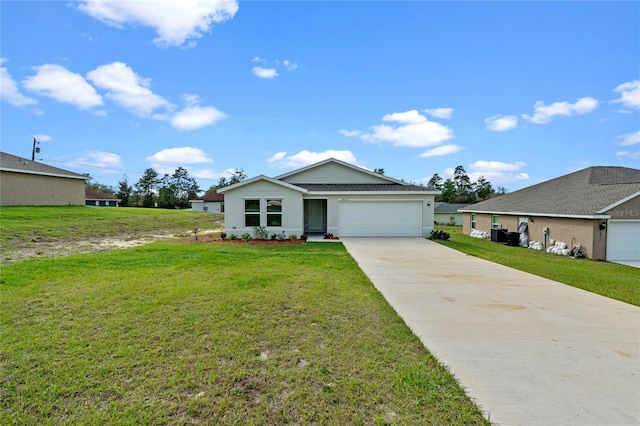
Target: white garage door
[
  {"x": 623, "y": 240},
  {"x": 380, "y": 218}
]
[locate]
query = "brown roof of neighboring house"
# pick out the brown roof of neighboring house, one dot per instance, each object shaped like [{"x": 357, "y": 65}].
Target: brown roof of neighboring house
[
  {"x": 211, "y": 196},
  {"x": 13, "y": 163},
  {"x": 587, "y": 192},
  {"x": 93, "y": 195}
]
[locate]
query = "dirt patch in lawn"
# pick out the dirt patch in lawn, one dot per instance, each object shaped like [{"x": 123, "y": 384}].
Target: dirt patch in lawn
[{"x": 16, "y": 251}]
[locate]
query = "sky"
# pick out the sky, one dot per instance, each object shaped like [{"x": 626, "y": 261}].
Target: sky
[{"x": 517, "y": 92}]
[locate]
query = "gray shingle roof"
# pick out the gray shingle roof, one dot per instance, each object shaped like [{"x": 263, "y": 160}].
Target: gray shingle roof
[
  {"x": 442, "y": 207},
  {"x": 17, "y": 164},
  {"x": 358, "y": 187},
  {"x": 582, "y": 193}
]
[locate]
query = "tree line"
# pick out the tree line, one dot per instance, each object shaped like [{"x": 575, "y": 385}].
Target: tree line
[
  {"x": 169, "y": 191},
  {"x": 460, "y": 188}
]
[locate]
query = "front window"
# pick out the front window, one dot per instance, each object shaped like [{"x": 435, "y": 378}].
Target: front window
[
  {"x": 473, "y": 221},
  {"x": 274, "y": 212},
  {"x": 251, "y": 213},
  {"x": 495, "y": 221}
]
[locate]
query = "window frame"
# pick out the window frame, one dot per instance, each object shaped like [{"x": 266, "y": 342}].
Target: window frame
[
  {"x": 474, "y": 220},
  {"x": 273, "y": 207},
  {"x": 252, "y": 214},
  {"x": 495, "y": 221}
]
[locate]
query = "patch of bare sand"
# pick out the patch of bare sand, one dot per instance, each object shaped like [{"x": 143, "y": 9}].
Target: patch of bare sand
[{"x": 29, "y": 250}]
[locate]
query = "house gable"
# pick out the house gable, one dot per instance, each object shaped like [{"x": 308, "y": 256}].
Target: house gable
[{"x": 333, "y": 171}]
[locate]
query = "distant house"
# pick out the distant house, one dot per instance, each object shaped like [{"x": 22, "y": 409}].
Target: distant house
[
  {"x": 448, "y": 214},
  {"x": 93, "y": 198},
  {"x": 29, "y": 183},
  {"x": 597, "y": 207},
  {"x": 211, "y": 202}
]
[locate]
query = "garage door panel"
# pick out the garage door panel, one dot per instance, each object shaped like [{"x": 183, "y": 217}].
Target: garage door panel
[
  {"x": 380, "y": 219},
  {"x": 623, "y": 240}
]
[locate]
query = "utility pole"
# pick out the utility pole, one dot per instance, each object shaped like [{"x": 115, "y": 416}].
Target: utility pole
[{"x": 36, "y": 148}]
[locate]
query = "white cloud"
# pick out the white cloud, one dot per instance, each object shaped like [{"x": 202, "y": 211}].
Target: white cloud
[
  {"x": 179, "y": 157},
  {"x": 440, "y": 151},
  {"x": 305, "y": 158},
  {"x": 64, "y": 86},
  {"x": 289, "y": 65},
  {"x": 439, "y": 112},
  {"x": 9, "y": 89},
  {"x": 350, "y": 133},
  {"x": 544, "y": 113},
  {"x": 264, "y": 72},
  {"x": 193, "y": 116},
  {"x": 498, "y": 123},
  {"x": 127, "y": 88},
  {"x": 175, "y": 22},
  {"x": 409, "y": 128},
  {"x": 630, "y": 139},
  {"x": 41, "y": 137},
  {"x": 629, "y": 94},
  {"x": 497, "y": 171},
  {"x": 102, "y": 159},
  {"x": 626, "y": 154}
]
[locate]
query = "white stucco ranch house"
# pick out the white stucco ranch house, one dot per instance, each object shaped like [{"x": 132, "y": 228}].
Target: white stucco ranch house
[
  {"x": 211, "y": 202},
  {"x": 330, "y": 196}
]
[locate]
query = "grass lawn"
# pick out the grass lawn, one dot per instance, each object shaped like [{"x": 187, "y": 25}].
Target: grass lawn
[
  {"x": 40, "y": 231},
  {"x": 608, "y": 279},
  {"x": 174, "y": 333}
]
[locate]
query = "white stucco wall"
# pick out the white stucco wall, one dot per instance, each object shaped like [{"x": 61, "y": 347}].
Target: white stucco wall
[
  {"x": 292, "y": 208},
  {"x": 212, "y": 206}
]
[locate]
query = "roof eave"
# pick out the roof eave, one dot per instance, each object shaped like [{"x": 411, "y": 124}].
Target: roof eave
[
  {"x": 571, "y": 216},
  {"x": 29, "y": 172}
]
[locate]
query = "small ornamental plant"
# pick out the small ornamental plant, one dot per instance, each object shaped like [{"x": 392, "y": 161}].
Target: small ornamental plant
[
  {"x": 223, "y": 235},
  {"x": 260, "y": 233},
  {"x": 328, "y": 236},
  {"x": 245, "y": 236},
  {"x": 439, "y": 234},
  {"x": 293, "y": 237},
  {"x": 233, "y": 237}
]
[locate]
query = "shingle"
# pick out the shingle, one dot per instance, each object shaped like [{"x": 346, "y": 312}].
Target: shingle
[
  {"x": 22, "y": 165},
  {"x": 584, "y": 192}
]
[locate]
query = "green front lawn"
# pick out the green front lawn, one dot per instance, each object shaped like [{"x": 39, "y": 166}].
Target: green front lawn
[
  {"x": 213, "y": 333},
  {"x": 608, "y": 279}
]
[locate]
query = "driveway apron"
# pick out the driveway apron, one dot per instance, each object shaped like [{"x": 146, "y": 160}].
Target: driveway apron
[{"x": 528, "y": 350}]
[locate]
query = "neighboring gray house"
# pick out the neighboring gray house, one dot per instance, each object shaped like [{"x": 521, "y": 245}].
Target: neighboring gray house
[
  {"x": 29, "y": 183},
  {"x": 330, "y": 196},
  {"x": 211, "y": 202},
  {"x": 597, "y": 207},
  {"x": 93, "y": 198},
  {"x": 448, "y": 214}
]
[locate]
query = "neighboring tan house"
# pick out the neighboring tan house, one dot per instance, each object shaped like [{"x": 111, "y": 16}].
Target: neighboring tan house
[
  {"x": 597, "y": 207},
  {"x": 330, "y": 197},
  {"x": 93, "y": 198},
  {"x": 29, "y": 183},
  {"x": 448, "y": 214},
  {"x": 211, "y": 202}
]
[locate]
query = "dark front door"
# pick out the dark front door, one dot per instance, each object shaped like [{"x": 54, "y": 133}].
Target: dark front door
[{"x": 315, "y": 216}]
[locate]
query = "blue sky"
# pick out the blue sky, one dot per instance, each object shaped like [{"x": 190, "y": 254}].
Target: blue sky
[{"x": 518, "y": 92}]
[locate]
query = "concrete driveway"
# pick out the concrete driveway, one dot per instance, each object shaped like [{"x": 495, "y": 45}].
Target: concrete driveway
[{"x": 530, "y": 351}]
